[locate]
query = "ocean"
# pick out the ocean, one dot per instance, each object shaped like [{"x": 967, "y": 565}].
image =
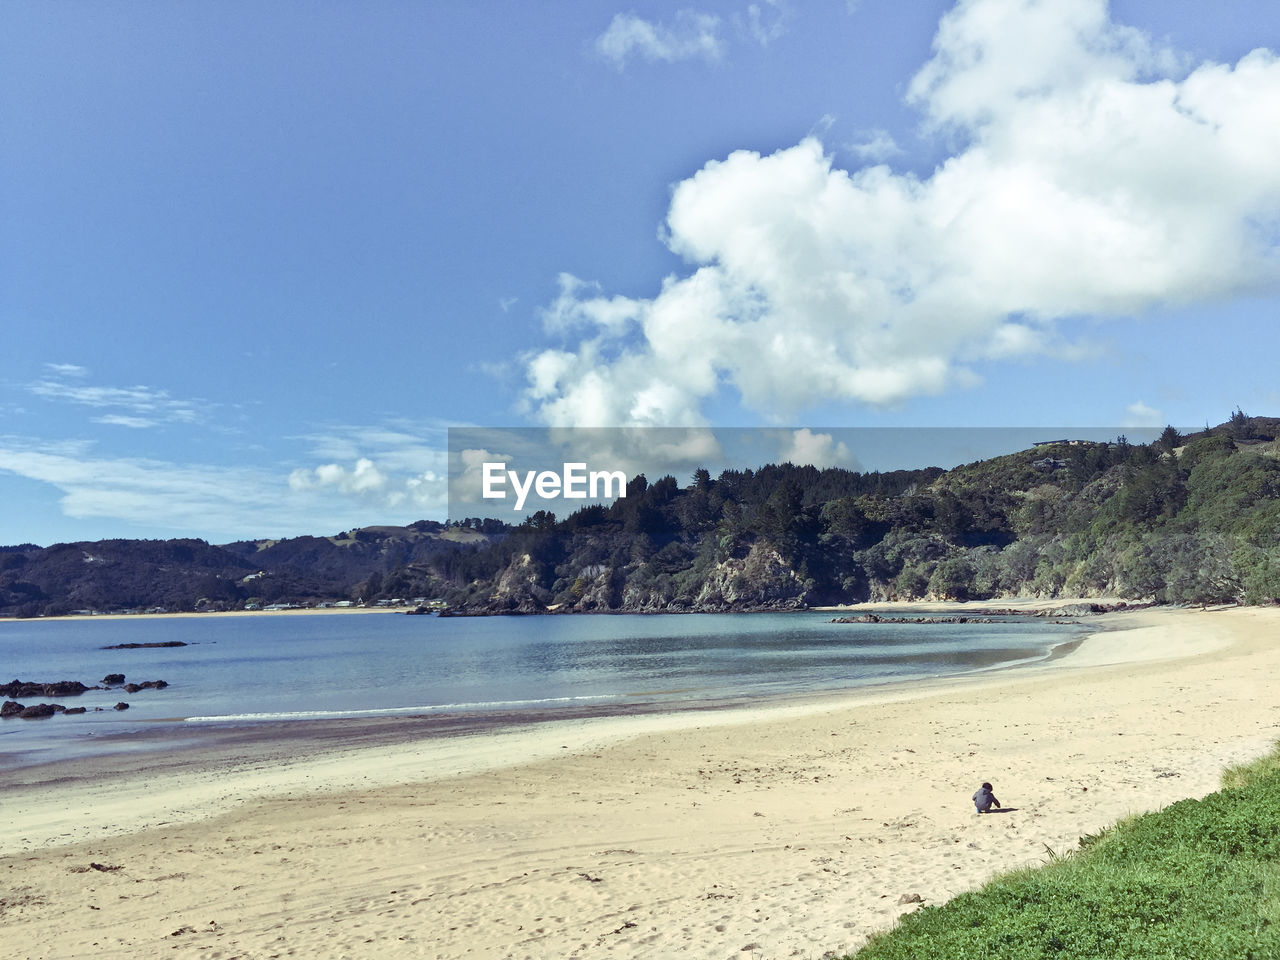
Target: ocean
[{"x": 273, "y": 668}]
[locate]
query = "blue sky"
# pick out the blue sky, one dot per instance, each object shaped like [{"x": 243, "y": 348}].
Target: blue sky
[{"x": 255, "y": 259}]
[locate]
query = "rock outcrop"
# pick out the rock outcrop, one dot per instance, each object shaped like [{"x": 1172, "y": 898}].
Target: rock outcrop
[{"x": 62, "y": 688}]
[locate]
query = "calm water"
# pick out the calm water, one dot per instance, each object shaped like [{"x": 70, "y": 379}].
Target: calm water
[{"x": 260, "y": 669}]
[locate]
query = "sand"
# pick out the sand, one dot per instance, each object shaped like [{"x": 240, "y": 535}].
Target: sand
[{"x": 795, "y": 831}]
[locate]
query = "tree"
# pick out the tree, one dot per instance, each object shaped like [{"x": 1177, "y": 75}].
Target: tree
[
  {"x": 1239, "y": 426},
  {"x": 952, "y": 579},
  {"x": 540, "y": 520}
]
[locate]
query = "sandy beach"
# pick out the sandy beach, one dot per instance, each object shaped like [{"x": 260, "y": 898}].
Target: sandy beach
[{"x": 787, "y": 831}]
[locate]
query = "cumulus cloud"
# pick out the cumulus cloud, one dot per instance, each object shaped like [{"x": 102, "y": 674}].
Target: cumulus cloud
[
  {"x": 399, "y": 465},
  {"x": 581, "y": 305},
  {"x": 366, "y": 481},
  {"x": 362, "y": 478},
  {"x": 806, "y": 448},
  {"x": 466, "y": 479},
  {"x": 691, "y": 36},
  {"x": 1097, "y": 175}
]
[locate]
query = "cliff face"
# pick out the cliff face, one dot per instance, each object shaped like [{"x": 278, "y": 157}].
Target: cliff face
[{"x": 761, "y": 579}]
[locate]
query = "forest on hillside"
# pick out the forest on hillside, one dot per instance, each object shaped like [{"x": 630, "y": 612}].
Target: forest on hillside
[
  {"x": 1186, "y": 519},
  {"x": 1183, "y": 520}
]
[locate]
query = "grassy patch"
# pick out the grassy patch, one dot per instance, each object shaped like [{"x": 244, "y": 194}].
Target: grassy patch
[{"x": 1200, "y": 879}]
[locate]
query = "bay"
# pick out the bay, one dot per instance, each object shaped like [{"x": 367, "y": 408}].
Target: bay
[{"x": 269, "y": 668}]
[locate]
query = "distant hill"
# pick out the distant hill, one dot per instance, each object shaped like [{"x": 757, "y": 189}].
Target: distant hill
[
  {"x": 175, "y": 575},
  {"x": 1192, "y": 519}
]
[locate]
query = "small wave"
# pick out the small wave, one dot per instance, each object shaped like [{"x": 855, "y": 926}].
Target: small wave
[{"x": 390, "y": 711}]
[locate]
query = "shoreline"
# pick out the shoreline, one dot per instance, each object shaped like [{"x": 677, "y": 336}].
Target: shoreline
[
  {"x": 971, "y": 607},
  {"x": 192, "y": 614},
  {"x": 700, "y": 827}
]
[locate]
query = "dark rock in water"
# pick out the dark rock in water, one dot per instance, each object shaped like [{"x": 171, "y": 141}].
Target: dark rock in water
[
  {"x": 62, "y": 688},
  {"x": 11, "y": 708},
  {"x": 121, "y": 706},
  {"x": 149, "y": 685},
  {"x": 143, "y": 646},
  {"x": 1078, "y": 610},
  {"x": 39, "y": 710},
  {"x": 71, "y": 710},
  {"x": 113, "y": 678}
]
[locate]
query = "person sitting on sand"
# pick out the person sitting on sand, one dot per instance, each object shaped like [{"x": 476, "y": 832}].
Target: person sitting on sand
[{"x": 984, "y": 799}]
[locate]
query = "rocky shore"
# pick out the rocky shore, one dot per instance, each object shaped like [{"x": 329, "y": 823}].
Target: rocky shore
[{"x": 1000, "y": 614}]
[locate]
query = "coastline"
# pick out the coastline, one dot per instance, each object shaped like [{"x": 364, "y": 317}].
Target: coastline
[
  {"x": 647, "y": 834},
  {"x": 190, "y": 614},
  {"x": 975, "y": 607}
]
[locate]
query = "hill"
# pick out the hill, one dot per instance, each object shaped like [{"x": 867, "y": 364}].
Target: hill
[
  {"x": 178, "y": 575},
  {"x": 1187, "y": 519}
]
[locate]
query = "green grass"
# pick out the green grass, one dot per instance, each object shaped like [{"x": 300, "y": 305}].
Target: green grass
[{"x": 1199, "y": 880}]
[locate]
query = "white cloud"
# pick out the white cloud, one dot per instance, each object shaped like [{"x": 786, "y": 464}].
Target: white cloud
[
  {"x": 816, "y": 449},
  {"x": 992, "y": 57},
  {"x": 362, "y": 478},
  {"x": 143, "y": 406},
  {"x": 153, "y": 493},
  {"x": 767, "y": 21},
  {"x": 1138, "y": 414},
  {"x": 693, "y": 35},
  {"x": 361, "y": 475},
  {"x": 219, "y": 503},
  {"x": 120, "y": 420},
  {"x": 580, "y": 306},
  {"x": 396, "y": 465},
  {"x": 877, "y": 147},
  {"x": 1097, "y": 175},
  {"x": 67, "y": 369},
  {"x": 466, "y": 482}
]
